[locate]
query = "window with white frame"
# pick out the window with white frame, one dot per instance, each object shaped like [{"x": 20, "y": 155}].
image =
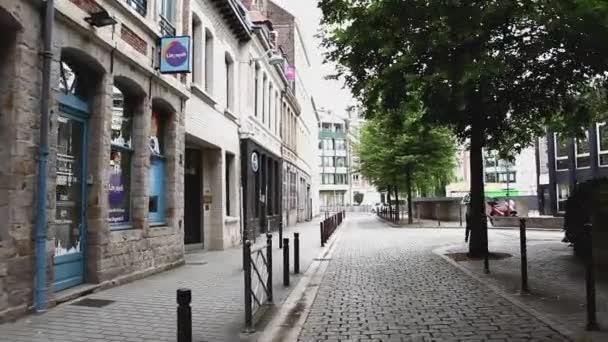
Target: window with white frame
[
  {"x": 208, "y": 62},
  {"x": 229, "y": 81},
  {"x": 582, "y": 152},
  {"x": 561, "y": 152},
  {"x": 264, "y": 81},
  {"x": 270, "y": 111},
  {"x": 563, "y": 191},
  {"x": 602, "y": 144},
  {"x": 197, "y": 50}
]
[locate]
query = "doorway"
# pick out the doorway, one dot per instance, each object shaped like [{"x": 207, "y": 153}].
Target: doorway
[
  {"x": 70, "y": 193},
  {"x": 193, "y": 189}
]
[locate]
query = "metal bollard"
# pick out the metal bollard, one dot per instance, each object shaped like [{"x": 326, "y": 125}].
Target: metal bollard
[
  {"x": 590, "y": 282},
  {"x": 269, "y": 265},
  {"x": 486, "y": 263},
  {"x": 524, "y": 255},
  {"x": 296, "y": 253},
  {"x": 248, "y": 302},
  {"x": 286, "y": 261},
  {"x": 184, "y": 315},
  {"x": 322, "y": 240},
  {"x": 280, "y": 234}
]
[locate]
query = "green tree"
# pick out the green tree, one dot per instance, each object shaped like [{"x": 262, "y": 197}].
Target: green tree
[
  {"x": 494, "y": 72},
  {"x": 358, "y": 197},
  {"x": 398, "y": 151}
]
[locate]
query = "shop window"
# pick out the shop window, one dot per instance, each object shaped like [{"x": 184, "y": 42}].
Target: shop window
[
  {"x": 602, "y": 144},
  {"x": 197, "y": 50},
  {"x": 561, "y": 152},
  {"x": 121, "y": 154},
  {"x": 582, "y": 151},
  {"x": 209, "y": 62},
  {"x": 156, "y": 204},
  {"x": 229, "y": 65},
  {"x": 293, "y": 190},
  {"x": 563, "y": 191}
]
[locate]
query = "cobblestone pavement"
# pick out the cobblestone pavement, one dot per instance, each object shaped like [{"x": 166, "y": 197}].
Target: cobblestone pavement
[
  {"x": 145, "y": 310},
  {"x": 385, "y": 284},
  {"x": 556, "y": 279}
]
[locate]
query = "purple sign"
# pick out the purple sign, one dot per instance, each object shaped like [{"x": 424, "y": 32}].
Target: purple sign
[{"x": 290, "y": 72}]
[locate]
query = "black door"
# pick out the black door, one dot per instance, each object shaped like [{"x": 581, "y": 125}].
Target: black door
[{"x": 192, "y": 197}]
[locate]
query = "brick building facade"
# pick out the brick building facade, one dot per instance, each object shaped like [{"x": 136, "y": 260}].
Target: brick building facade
[{"x": 116, "y": 140}]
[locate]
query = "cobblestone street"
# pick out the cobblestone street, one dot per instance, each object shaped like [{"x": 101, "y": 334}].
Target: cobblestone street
[{"x": 385, "y": 284}]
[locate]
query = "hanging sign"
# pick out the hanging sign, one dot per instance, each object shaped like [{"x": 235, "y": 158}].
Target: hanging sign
[
  {"x": 175, "y": 55},
  {"x": 290, "y": 72},
  {"x": 254, "y": 162}
]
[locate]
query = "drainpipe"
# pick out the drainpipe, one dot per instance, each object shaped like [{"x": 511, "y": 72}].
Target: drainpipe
[{"x": 43, "y": 152}]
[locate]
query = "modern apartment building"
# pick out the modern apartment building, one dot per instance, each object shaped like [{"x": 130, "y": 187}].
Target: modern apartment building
[{"x": 333, "y": 159}]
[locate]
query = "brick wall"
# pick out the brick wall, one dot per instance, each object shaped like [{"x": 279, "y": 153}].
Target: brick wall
[
  {"x": 133, "y": 39},
  {"x": 89, "y": 6}
]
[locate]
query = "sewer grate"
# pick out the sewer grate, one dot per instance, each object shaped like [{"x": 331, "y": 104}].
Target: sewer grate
[{"x": 93, "y": 303}]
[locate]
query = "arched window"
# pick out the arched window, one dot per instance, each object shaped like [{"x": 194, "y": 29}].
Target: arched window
[
  {"x": 121, "y": 153},
  {"x": 157, "y": 200}
]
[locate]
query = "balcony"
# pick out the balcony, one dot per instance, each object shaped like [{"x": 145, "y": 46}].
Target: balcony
[
  {"x": 140, "y": 6},
  {"x": 166, "y": 27},
  {"x": 332, "y": 135}
]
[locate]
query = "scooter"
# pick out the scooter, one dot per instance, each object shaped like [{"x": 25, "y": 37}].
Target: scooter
[{"x": 508, "y": 209}]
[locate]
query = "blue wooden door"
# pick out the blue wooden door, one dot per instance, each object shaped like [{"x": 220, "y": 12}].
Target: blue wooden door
[{"x": 70, "y": 215}]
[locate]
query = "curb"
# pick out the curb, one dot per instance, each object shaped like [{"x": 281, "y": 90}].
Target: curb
[
  {"x": 288, "y": 322},
  {"x": 557, "y": 327}
]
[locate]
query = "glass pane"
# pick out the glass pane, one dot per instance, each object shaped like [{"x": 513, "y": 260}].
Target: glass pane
[
  {"x": 562, "y": 164},
  {"x": 582, "y": 145},
  {"x": 156, "y": 136},
  {"x": 603, "y": 137},
  {"x": 120, "y": 180},
  {"x": 603, "y": 159},
  {"x": 583, "y": 162},
  {"x": 121, "y": 120},
  {"x": 69, "y": 187},
  {"x": 561, "y": 146}
]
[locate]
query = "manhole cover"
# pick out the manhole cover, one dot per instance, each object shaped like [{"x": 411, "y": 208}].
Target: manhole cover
[
  {"x": 93, "y": 303},
  {"x": 322, "y": 259}
]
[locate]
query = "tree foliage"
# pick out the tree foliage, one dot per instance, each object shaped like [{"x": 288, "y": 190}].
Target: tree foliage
[
  {"x": 495, "y": 72},
  {"x": 396, "y": 143}
]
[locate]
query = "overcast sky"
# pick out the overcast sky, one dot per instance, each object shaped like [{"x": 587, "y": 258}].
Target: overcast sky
[{"x": 328, "y": 94}]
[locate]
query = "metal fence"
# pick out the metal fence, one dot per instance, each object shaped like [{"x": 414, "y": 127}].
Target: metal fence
[
  {"x": 258, "y": 279},
  {"x": 329, "y": 226},
  {"x": 347, "y": 208}
]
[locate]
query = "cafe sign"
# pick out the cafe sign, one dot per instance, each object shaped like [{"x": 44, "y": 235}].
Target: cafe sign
[{"x": 175, "y": 55}]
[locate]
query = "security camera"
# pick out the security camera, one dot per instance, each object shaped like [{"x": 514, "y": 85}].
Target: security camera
[{"x": 275, "y": 59}]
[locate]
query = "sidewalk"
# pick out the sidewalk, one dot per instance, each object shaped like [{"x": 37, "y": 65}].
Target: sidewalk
[
  {"x": 145, "y": 310},
  {"x": 556, "y": 280}
]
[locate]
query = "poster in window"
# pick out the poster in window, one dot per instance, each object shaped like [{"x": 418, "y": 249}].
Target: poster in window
[{"x": 119, "y": 206}]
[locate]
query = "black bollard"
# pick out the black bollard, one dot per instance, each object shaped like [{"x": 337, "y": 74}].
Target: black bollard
[
  {"x": 322, "y": 240},
  {"x": 184, "y": 315},
  {"x": 296, "y": 253},
  {"x": 524, "y": 255},
  {"x": 280, "y": 234},
  {"x": 269, "y": 265},
  {"x": 590, "y": 281},
  {"x": 286, "y": 261},
  {"x": 248, "y": 302},
  {"x": 486, "y": 263}
]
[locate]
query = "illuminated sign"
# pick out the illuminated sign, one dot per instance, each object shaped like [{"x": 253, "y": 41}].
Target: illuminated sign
[{"x": 175, "y": 55}]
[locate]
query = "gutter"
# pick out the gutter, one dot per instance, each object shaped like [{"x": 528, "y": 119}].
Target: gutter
[{"x": 43, "y": 152}]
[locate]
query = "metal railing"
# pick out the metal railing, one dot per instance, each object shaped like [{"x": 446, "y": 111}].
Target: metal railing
[
  {"x": 329, "y": 226},
  {"x": 166, "y": 27},
  {"x": 140, "y": 6},
  {"x": 258, "y": 279}
]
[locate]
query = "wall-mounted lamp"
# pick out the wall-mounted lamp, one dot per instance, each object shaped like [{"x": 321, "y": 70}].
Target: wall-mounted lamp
[
  {"x": 100, "y": 19},
  {"x": 274, "y": 58}
]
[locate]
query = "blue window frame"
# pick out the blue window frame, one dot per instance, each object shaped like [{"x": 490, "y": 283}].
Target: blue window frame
[{"x": 156, "y": 202}]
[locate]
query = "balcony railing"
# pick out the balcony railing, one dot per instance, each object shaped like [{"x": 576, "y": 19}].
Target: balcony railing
[
  {"x": 140, "y": 6},
  {"x": 166, "y": 28}
]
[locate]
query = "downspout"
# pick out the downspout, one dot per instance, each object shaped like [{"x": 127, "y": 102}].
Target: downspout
[{"x": 43, "y": 152}]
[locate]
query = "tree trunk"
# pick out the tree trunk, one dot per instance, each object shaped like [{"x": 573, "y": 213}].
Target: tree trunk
[
  {"x": 478, "y": 243},
  {"x": 410, "y": 212},
  {"x": 396, "y": 204}
]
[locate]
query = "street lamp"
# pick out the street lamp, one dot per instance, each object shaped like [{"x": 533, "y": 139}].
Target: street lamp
[{"x": 274, "y": 58}]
